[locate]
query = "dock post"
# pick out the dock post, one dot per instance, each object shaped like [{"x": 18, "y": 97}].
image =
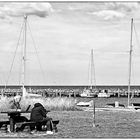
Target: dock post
[
  {"x": 118, "y": 94},
  {"x": 74, "y": 94},
  {"x": 132, "y": 95},
  {"x": 56, "y": 94},
  {"x": 93, "y": 114}
]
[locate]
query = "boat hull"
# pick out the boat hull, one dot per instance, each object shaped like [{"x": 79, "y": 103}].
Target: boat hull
[
  {"x": 103, "y": 95},
  {"x": 88, "y": 96}
]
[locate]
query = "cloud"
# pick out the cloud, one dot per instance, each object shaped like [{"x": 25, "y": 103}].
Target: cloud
[
  {"x": 123, "y": 6},
  {"x": 9, "y": 10},
  {"x": 116, "y": 10},
  {"x": 109, "y": 14}
]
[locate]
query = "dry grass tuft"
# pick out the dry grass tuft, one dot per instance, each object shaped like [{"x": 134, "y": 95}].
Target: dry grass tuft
[
  {"x": 4, "y": 103},
  {"x": 57, "y": 103}
]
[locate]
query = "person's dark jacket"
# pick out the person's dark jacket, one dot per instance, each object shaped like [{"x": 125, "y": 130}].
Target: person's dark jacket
[{"x": 38, "y": 113}]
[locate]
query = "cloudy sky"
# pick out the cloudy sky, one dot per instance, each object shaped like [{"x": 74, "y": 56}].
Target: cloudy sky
[{"x": 64, "y": 34}]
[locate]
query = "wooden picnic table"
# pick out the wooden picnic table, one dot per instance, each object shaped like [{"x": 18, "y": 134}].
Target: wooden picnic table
[{"x": 12, "y": 115}]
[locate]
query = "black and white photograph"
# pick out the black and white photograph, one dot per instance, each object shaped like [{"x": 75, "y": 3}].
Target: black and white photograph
[{"x": 69, "y": 69}]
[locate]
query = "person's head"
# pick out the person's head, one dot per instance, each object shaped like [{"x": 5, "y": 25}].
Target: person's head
[{"x": 38, "y": 104}]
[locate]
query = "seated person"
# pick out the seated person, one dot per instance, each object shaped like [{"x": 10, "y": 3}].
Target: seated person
[
  {"x": 17, "y": 100},
  {"x": 38, "y": 114}
]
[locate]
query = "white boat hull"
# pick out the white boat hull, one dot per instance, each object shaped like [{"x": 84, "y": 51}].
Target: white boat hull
[
  {"x": 87, "y": 93},
  {"x": 88, "y": 96},
  {"x": 103, "y": 95}
]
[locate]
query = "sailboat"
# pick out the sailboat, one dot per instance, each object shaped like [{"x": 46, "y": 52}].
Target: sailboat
[
  {"x": 117, "y": 106},
  {"x": 25, "y": 94},
  {"x": 130, "y": 63},
  {"x": 90, "y": 92},
  {"x": 131, "y": 105}
]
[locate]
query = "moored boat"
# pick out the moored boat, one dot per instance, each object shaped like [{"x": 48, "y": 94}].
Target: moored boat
[
  {"x": 103, "y": 94},
  {"x": 90, "y": 92},
  {"x": 24, "y": 92}
]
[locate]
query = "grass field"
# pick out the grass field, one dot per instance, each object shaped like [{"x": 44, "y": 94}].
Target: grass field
[{"x": 78, "y": 124}]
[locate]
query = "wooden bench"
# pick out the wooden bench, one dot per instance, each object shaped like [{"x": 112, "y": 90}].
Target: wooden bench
[
  {"x": 32, "y": 124},
  {"x": 3, "y": 124},
  {"x": 14, "y": 118},
  {"x": 24, "y": 124}
]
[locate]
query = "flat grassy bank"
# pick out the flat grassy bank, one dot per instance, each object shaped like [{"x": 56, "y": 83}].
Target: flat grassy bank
[{"x": 78, "y": 124}]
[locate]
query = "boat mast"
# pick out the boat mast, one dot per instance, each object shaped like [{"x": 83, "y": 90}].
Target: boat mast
[
  {"x": 24, "y": 51},
  {"x": 91, "y": 79},
  {"x": 130, "y": 61}
]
